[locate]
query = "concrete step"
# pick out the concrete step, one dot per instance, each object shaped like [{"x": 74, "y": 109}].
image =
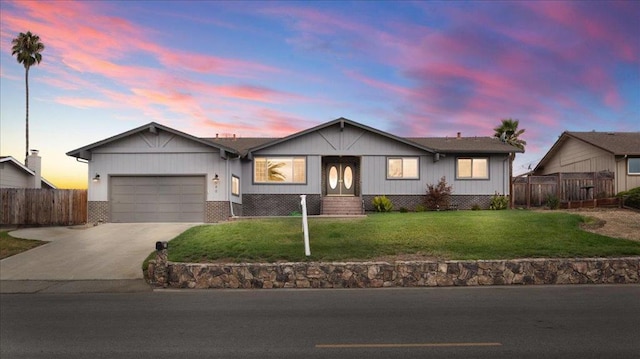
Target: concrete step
[{"x": 341, "y": 206}]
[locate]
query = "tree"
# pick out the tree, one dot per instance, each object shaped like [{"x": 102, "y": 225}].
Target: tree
[
  {"x": 27, "y": 48},
  {"x": 508, "y": 132}
]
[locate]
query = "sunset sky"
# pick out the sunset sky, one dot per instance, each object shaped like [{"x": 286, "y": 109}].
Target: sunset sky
[{"x": 273, "y": 68}]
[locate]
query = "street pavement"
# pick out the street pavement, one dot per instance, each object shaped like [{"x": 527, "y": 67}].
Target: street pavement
[
  {"x": 578, "y": 321},
  {"x": 106, "y": 257}
]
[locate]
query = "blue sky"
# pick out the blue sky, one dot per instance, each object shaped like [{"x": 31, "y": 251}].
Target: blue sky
[{"x": 274, "y": 68}]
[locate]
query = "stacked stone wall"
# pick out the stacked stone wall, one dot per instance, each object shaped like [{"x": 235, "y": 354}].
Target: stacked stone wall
[{"x": 398, "y": 274}]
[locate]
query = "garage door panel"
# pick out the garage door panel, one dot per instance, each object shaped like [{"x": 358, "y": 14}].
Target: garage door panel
[{"x": 157, "y": 198}]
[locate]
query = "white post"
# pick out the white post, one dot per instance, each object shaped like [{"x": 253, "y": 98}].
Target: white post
[{"x": 305, "y": 225}]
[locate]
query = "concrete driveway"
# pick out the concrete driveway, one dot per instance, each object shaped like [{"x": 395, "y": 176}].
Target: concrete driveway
[{"x": 112, "y": 251}]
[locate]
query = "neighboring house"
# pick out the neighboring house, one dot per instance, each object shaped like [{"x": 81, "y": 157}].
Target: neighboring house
[
  {"x": 155, "y": 173},
  {"x": 617, "y": 152},
  {"x": 14, "y": 174}
]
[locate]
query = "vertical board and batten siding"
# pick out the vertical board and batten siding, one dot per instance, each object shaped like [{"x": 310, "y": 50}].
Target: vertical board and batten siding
[
  {"x": 331, "y": 141},
  {"x": 579, "y": 157},
  {"x": 45, "y": 207},
  {"x": 625, "y": 181},
  {"x": 162, "y": 154},
  {"x": 374, "y": 167}
]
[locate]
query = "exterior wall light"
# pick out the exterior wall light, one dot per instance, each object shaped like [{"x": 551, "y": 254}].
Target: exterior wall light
[
  {"x": 216, "y": 179},
  {"x": 96, "y": 178}
]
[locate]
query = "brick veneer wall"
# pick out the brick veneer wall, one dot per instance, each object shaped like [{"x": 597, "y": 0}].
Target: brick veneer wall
[
  {"x": 237, "y": 209},
  {"x": 98, "y": 211},
  {"x": 411, "y": 201},
  {"x": 278, "y": 204},
  {"x": 216, "y": 211}
]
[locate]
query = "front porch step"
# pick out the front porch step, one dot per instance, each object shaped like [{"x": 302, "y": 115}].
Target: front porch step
[{"x": 341, "y": 206}]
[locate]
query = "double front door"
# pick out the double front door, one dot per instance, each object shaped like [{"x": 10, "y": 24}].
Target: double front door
[{"x": 340, "y": 179}]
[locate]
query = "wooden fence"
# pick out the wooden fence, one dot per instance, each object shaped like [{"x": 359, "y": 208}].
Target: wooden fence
[
  {"x": 534, "y": 191},
  {"x": 45, "y": 207}
]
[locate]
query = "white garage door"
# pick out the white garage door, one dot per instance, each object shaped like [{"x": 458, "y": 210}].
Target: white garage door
[{"x": 157, "y": 199}]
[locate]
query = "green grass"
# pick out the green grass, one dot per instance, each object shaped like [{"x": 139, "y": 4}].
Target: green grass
[
  {"x": 10, "y": 246},
  {"x": 446, "y": 235}
]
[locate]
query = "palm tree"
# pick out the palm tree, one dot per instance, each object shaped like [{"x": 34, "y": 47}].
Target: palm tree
[
  {"x": 508, "y": 132},
  {"x": 27, "y": 48}
]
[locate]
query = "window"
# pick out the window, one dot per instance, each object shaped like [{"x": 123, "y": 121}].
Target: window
[
  {"x": 472, "y": 168},
  {"x": 402, "y": 168},
  {"x": 633, "y": 166},
  {"x": 235, "y": 185},
  {"x": 280, "y": 170}
]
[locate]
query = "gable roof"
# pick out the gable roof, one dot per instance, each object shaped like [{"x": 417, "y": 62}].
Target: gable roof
[
  {"x": 242, "y": 144},
  {"x": 25, "y": 169},
  {"x": 616, "y": 143},
  {"x": 342, "y": 122},
  {"x": 430, "y": 144},
  {"x": 85, "y": 152}
]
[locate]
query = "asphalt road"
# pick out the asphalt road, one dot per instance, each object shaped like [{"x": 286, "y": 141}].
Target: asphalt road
[{"x": 481, "y": 322}]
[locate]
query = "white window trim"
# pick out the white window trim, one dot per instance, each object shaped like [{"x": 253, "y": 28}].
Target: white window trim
[
  {"x": 402, "y": 158},
  {"x": 629, "y": 166},
  {"x": 472, "y": 178},
  {"x": 255, "y": 181}
]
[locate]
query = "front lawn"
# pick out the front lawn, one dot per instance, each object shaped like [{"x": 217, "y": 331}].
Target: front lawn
[
  {"x": 10, "y": 246},
  {"x": 445, "y": 235}
]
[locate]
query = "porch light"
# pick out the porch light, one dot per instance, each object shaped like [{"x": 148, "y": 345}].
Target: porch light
[
  {"x": 216, "y": 179},
  {"x": 96, "y": 178}
]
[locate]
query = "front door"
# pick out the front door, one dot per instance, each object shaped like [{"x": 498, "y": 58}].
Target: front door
[{"x": 340, "y": 179}]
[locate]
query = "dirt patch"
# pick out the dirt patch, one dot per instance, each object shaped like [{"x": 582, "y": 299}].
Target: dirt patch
[{"x": 617, "y": 223}]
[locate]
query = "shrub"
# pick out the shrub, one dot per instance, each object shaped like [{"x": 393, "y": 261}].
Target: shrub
[
  {"x": 631, "y": 198},
  {"x": 553, "y": 202},
  {"x": 499, "y": 202},
  {"x": 475, "y": 207},
  {"x": 382, "y": 204},
  {"x": 419, "y": 208},
  {"x": 403, "y": 210},
  {"x": 438, "y": 195}
]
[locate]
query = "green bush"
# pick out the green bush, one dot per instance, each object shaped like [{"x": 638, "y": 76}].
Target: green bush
[
  {"x": 403, "y": 210},
  {"x": 499, "y": 202},
  {"x": 475, "y": 207},
  {"x": 382, "y": 204},
  {"x": 419, "y": 208},
  {"x": 553, "y": 202},
  {"x": 631, "y": 198}
]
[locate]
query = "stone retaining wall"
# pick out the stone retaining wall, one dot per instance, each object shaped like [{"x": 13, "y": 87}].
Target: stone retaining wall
[{"x": 398, "y": 274}]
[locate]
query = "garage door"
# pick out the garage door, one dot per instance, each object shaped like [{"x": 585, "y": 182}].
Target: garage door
[{"x": 157, "y": 199}]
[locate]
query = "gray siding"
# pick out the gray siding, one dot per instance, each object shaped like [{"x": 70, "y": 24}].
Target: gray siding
[
  {"x": 12, "y": 177},
  {"x": 332, "y": 141},
  {"x": 157, "y": 154},
  {"x": 374, "y": 179},
  {"x": 577, "y": 156}
]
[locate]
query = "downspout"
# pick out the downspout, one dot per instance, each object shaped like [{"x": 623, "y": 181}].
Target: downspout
[{"x": 507, "y": 188}]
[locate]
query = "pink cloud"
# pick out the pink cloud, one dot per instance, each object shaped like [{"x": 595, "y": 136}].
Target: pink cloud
[{"x": 82, "y": 102}]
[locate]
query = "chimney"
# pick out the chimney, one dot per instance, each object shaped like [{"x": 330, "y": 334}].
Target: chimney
[
  {"x": 34, "y": 163},
  {"x": 459, "y": 135}
]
